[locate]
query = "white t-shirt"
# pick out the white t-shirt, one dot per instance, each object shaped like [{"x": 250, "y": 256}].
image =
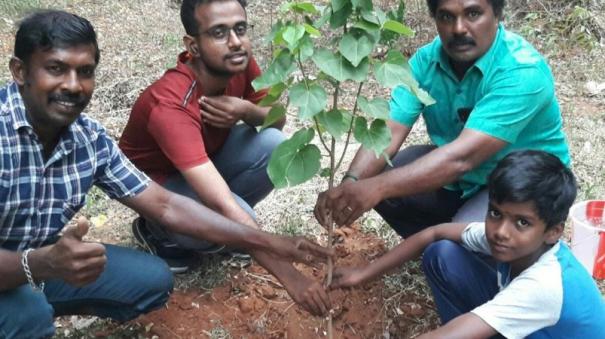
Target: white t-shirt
[{"x": 553, "y": 298}]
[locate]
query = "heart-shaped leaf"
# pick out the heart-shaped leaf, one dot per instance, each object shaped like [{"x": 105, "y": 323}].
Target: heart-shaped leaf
[
  {"x": 355, "y": 46},
  {"x": 336, "y": 122},
  {"x": 294, "y": 161},
  {"x": 336, "y": 66},
  {"x": 277, "y": 72},
  {"x": 377, "y": 137},
  {"x": 310, "y": 99},
  {"x": 376, "y": 108}
]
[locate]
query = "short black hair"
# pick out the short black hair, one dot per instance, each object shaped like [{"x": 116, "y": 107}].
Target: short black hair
[
  {"x": 50, "y": 29},
  {"x": 188, "y": 14},
  {"x": 538, "y": 177},
  {"x": 497, "y": 6}
]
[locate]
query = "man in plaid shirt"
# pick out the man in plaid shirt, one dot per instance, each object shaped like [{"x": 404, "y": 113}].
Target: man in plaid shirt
[{"x": 50, "y": 157}]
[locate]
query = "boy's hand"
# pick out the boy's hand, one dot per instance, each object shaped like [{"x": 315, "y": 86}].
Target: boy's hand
[{"x": 347, "y": 277}]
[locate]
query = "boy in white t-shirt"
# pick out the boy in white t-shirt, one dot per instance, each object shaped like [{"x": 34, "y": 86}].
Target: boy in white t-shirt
[{"x": 536, "y": 288}]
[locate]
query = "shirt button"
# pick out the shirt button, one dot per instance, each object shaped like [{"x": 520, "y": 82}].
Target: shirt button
[{"x": 459, "y": 91}]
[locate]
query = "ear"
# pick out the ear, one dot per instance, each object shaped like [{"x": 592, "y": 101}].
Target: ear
[
  {"x": 18, "y": 70},
  {"x": 191, "y": 45},
  {"x": 553, "y": 234}
]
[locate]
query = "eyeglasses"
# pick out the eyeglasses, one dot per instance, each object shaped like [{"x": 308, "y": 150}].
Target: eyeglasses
[{"x": 221, "y": 34}]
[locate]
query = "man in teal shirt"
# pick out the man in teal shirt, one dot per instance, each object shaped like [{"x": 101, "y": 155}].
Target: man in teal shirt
[{"x": 495, "y": 94}]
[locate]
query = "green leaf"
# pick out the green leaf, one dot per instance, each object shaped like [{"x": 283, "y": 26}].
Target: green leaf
[
  {"x": 292, "y": 34},
  {"x": 312, "y": 30},
  {"x": 306, "y": 48},
  {"x": 336, "y": 122},
  {"x": 336, "y": 66},
  {"x": 275, "y": 114},
  {"x": 362, "y": 4},
  {"x": 325, "y": 172},
  {"x": 396, "y": 71},
  {"x": 339, "y": 4},
  {"x": 339, "y": 18},
  {"x": 399, "y": 28},
  {"x": 376, "y": 108},
  {"x": 294, "y": 161},
  {"x": 371, "y": 17},
  {"x": 367, "y": 26},
  {"x": 304, "y": 7},
  {"x": 355, "y": 46},
  {"x": 309, "y": 100},
  {"x": 273, "y": 95},
  {"x": 325, "y": 17},
  {"x": 277, "y": 72},
  {"x": 377, "y": 137}
]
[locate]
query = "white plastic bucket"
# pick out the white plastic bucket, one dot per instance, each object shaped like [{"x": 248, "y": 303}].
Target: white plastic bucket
[{"x": 588, "y": 237}]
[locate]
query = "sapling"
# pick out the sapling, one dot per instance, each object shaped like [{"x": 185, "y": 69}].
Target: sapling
[{"x": 319, "y": 51}]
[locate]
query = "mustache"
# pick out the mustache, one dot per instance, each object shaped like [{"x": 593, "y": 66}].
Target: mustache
[
  {"x": 460, "y": 41},
  {"x": 76, "y": 99},
  {"x": 234, "y": 54}
]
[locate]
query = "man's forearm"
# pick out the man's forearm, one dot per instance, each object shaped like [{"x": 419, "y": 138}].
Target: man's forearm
[{"x": 184, "y": 215}]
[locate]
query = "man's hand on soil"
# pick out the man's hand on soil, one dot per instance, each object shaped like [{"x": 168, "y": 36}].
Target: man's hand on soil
[
  {"x": 223, "y": 111},
  {"x": 77, "y": 262},
  {"x": 300, "y": 249},
  {"x": 310, "y": 295},
  {"x": 346, "y": 202}
]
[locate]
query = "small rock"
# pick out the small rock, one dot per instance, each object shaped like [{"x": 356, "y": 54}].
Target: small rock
[{"x": 245, "y": 304}]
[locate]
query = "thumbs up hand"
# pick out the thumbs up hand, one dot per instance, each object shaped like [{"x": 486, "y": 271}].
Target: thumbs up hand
[{"x": 77, "y": 262}]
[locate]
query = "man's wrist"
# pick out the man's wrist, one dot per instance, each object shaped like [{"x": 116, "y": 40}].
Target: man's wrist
[{"x": 349, "y": 176}]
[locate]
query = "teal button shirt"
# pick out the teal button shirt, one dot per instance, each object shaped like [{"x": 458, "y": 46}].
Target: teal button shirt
[{"x": 508, "y": 94}]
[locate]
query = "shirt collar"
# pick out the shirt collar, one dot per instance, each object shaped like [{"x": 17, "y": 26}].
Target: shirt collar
[
  {"x": 17, "y": 107},
  {"x": 483, "y": 63}
]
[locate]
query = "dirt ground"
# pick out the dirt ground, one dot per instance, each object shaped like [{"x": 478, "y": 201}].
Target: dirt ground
[
  {"x": 252, "y": 304},
  {"x": 223, "y": 298}
]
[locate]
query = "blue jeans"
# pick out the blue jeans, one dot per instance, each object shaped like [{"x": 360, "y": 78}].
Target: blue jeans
[
  {"x": 410, "y": 214},
  {"x": 460, "y": 280},
  {"x": 242, "y": 162},
  {"x": 132, "y": 283}
]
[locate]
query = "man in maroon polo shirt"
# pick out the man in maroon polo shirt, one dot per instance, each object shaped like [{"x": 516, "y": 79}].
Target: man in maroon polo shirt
[{"x": 193, "y": 131}]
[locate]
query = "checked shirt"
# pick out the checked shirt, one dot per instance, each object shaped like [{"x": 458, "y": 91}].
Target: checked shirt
[{"x": 37, "y": 196}]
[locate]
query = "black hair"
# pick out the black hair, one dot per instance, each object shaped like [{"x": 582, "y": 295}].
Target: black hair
[
  {"x": 497, "y": 6},
  {"x": 188, "y": 14},
  {"x": 50, "y": 29},
  {"x": 538, "y": 177}
]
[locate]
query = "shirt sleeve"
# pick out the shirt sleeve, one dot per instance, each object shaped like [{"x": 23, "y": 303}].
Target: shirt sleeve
[
  {"x": 532, "y": 301},
  {"x": 250, "y": 94},
  {"x": 179, "y": 136},
  {"x": 404, "y": 105},
  {"x": 474, "y": 239},
  {"x": 513, "y": 98},
  {"x": 119, "y": 178}
]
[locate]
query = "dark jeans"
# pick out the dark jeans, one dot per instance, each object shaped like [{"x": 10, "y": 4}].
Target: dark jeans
[
  {"x": 411, "y": 214},
  {"x": 242, "y": 162},
  {"x": 460, "y": 280},
  {"x": 132, "y": 283}
]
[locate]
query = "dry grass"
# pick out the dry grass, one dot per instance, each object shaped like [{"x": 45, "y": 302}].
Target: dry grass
[{"x": 141, "y": 38}]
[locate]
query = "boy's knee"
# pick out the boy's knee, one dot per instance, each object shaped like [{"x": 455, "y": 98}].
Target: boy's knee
[
  {"x": 25, "y": 314},
  {"x": 437, "y": 253}
]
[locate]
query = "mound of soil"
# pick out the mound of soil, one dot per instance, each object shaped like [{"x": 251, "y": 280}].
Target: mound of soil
[{"x": 254, "y": 305}]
